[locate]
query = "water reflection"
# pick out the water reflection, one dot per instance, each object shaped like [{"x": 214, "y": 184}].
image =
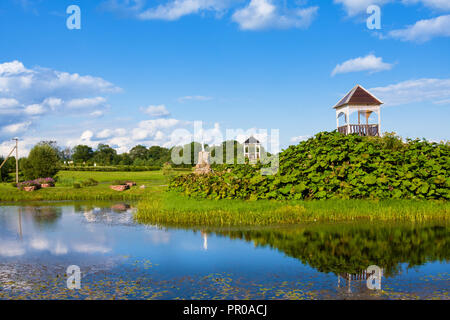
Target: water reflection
[{"x": 347, "y": 250}]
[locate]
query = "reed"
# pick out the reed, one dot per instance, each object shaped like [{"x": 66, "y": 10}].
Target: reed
[{"x": 173, "y": 209}]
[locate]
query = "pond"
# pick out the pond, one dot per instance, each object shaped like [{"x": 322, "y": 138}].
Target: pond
[{"x": 121, "y": 259}]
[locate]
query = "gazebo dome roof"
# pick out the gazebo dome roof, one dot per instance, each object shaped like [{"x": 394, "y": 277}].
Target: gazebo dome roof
[
  {"x": 359, "y": 96},
  {"x": 252, "y": 139}
]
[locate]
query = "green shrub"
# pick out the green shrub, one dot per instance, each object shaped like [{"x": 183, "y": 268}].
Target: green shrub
[
  {"x": 43, "y": 161},
  {"x": 76, "y": 185},
  {"x": 332, "y": 165},
  {"x": 89, "y": 182}
]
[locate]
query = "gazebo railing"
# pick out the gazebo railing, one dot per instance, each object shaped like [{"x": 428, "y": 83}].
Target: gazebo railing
[{"x": 370, "y": 130}]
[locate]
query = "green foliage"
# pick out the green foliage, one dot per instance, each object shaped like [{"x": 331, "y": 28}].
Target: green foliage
[
  {"x": 43, "y": 161},
  {"x": 334, "y": 166},
  {"x": 89, "y": 182},
  {"x": 76, "y": 185},
  {"x": 3, "y": 171},
  {"x": 82, "y": 153},
  {"x": 118, "y": 168}
]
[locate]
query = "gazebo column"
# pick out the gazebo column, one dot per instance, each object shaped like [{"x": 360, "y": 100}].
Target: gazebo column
[
  {"x": 379, "y": 122},
  {"x": 348, "y": 119}
]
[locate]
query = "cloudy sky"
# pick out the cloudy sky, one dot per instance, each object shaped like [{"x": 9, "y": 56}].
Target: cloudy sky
[{"x": 142, "y": 71}]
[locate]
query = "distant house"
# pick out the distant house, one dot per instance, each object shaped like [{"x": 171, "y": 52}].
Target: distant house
[
  {"x": 252, "y": 149},
  {"x": 365, "y": 104}
]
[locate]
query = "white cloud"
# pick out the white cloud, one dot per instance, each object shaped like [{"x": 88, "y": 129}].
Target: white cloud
[
  {"x": 434, "y": 4},
  {"x": 411, "y": 91},
  {"x": 355, "y": 7},
  {"x": 97, "y": 113},
  {"x": 369, "y": 63},
  {"x": 263, "y": 14},
  {"x": 175, "y": 9},
  {"x": 8, "y": 103},
  {"x": 299, "y": 139},
  {"x": 16, "y": 127},
  {"x": 156, "y": 111},
  {"x": 86, "y": 102},
  {"x": 11, "y": 68},
  {"x": 194, "y": 98},
  {"x": 424, "y": 30},
  {"x": 35, "y": 109},
  {"x": 26, "y": 95}
]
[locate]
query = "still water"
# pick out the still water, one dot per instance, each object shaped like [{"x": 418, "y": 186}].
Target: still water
[{"x": 120, "y": 259}]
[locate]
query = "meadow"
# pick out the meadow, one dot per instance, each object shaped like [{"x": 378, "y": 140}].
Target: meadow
[{"x": 64, "y": 190}]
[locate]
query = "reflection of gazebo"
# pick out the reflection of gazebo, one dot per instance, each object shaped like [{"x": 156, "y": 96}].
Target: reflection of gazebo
[
  {"x": 252, "y": 149},
  {"x": 365, "y": 103}
]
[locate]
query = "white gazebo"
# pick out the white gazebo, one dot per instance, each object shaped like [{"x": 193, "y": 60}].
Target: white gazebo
[
  {"x": 365, "y": 103},
  {"x": 252, "y": 149}
]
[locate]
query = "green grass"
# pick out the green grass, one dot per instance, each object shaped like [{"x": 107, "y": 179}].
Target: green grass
[
  {"x": 153, "y": 180},
  {"x": 172, "y": 209}
]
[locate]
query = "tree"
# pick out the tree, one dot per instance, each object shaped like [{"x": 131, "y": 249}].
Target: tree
[
  {"x": 105, "y": 155},
  {"x": 82, "y": 153},
  {"x": 158, "y": 155},
  {"x": 139, "y": 152},
  {"x": 4, "y": 170},
  {"x": 42, "y": 162}
]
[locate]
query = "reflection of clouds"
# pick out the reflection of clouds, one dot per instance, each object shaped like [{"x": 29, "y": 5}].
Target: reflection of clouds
[
  {"x": 60, "y": 249},
  {"x": 11, "y": 249},
  {"x": 118, "y": 214},
  {"x": 159, "y": 236},
  {"x": 39, "y": 244},
  {"x": 90, "y": 248}
]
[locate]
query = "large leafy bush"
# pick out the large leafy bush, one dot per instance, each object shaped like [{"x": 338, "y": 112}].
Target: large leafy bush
[{"x": 332, "y": 165}]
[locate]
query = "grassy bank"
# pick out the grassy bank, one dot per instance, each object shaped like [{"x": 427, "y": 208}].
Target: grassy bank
[
  {"x": 64, "y": 190},
  {"x": 172, "y": 209}
]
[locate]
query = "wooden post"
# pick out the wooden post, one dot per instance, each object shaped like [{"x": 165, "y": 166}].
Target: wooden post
[{"x": 17, "y": 160}]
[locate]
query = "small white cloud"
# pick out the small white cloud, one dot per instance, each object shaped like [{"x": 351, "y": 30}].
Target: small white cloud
[
  {"x": 193, "y": 98},
  {"x": 12, "y": 68},
  {"x": 97, "y": 114},
  {"x": 175, "y": 9},
  {"x": 433, "y": 90},
  {"x": 424, "y": 30},
  {"x": 34, "y": 110},
  {"x": 156, "y": 111},
  {"x": 299, "y": 139},
  {"x": 369, "y": 63},
  {"x": 86, "y": 102},
  {"x": 434, "y": 4},
  {"x": 16, "y": 127},
  {"x": 263, "y": 14},
  {"x": 8, "y": 103},
  {"x": 356, "y": 7}
]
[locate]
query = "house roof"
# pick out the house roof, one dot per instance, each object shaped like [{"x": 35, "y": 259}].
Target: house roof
[
  {"x": 359, "y": 96},
  {"x": 252, "y": 139}
]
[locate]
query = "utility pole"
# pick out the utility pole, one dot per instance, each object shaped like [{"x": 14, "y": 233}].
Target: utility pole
[{"x": 17, "y": 159}]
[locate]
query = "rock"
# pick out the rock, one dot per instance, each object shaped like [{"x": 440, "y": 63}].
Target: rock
[{"x": 120, "y": 187}]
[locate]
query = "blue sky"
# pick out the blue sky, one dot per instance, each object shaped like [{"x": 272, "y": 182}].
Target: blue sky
[{"x": 139, "y": 72}]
